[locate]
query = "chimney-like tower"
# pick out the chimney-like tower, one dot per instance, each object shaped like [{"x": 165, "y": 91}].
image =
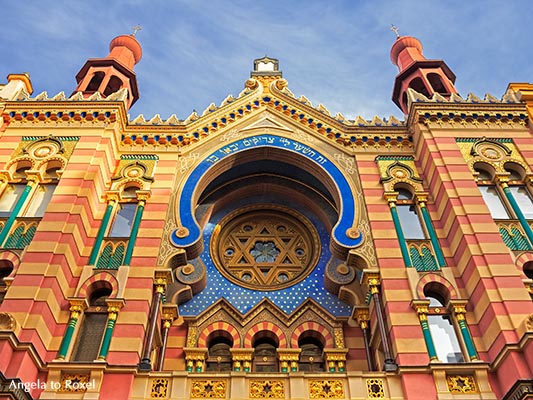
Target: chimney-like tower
[
  {"x": 416, "y": 72},
  {"x": 110, "y": 74}
]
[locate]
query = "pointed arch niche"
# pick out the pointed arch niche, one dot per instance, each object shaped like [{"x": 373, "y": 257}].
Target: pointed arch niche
[
  {"x": 266, "y": 158},
  {"x": 293, "y": 193}
]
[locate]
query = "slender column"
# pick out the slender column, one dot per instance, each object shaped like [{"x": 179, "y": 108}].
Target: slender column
[
  {"x": 372, "y": 281},
  {"x": 459, "y": 309},
  {"x": 142, "y": 196},
  {"x": 76, "y": 308},
  {"x": 391, "y": 198},
  {"x": 362, "y": 316},
  {"x": 160, "y": 281},
  {"x": 422, "y": 200},
  {"x": 33, "y": 181},
  {"x": 516, "y": 208},
  {"x": 421, "y": 307},
  {"x": 169, "y": 314},
  {"x": 112, "y": 198},
  {"x": 113, "y": 307}
]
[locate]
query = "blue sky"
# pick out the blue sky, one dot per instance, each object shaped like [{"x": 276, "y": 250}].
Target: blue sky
[{"x": 333, "y": 52}]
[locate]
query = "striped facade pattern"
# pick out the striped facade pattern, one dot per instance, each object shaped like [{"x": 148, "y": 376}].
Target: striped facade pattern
[
  {"x": 315, "y": 328},
  {"x": 265, "y": 326},
  {"x": 219, "y": 326},
  {"x": 52, "y": 271}
]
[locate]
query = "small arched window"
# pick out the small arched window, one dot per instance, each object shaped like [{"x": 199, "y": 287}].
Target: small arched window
[
  {"x": 520, "y": 191},
  {"x": 6, "y": 267},
  {"x": 265, "y": 352},
  {"x": 93, "y": 326},
  {"x": 95, "y": 82},
  {"x": 491, "y": 194},
  {"x": 125, "y": 214},
  {"x": 219, "y": 353},
  {"x": 418, "y": 85},
  {"x": 436, "y": 83},
  {"x": 311, "y": 357},
  {"x": 409, "y": 216},
  {"x": 442, "y": 328},
  {"x": 114, "y": 85}
]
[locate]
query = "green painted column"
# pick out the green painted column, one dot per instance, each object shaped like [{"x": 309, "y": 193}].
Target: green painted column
[
  {"x": 428, "y": 338},
  {"x": 432, "y": 235},
  {"x": 399, "y": 233},
  {"x": 467, "y": 338},
  {"x": 75, "y": 310},
  {"x": 16, "y": 210},
  {"x": 101, "y": 232},
  {"x": 111, "y": 320},
  {"x": 518, "y": 211},
  {"x": 134, "y": 232}
]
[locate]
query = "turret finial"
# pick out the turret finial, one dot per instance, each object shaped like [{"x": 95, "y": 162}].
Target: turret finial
[
  {"x": 395, "y": 30},
  {"x": 136, "y": 29}
]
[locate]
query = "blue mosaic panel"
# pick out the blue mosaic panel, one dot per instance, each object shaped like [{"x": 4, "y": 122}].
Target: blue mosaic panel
[{"x": 245, "y": 299}]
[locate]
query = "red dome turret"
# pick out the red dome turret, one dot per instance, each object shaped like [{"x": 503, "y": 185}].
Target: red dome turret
[
  {"x": 109, "y": 75},
  {"x": 418, "y": 73}
]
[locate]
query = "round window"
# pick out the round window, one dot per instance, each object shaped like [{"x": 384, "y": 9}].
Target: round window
[{"x": 265, "y": 247}]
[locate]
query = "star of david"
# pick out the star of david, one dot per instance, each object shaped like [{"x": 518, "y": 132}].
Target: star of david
[
  {"x": 266, "y": 255},
  {"x": 265, "y": 247}
]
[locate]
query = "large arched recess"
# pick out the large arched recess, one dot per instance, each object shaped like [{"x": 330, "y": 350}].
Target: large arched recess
[{"x": 345, "y": 234}]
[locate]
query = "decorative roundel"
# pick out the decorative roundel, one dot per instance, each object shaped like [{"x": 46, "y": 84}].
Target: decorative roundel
[
  {"x": 134, "y": 171},
  {"x": 43, "y": 150},
  {"x": 265, "y": 247},
  {"x": 491, "y": 153}
]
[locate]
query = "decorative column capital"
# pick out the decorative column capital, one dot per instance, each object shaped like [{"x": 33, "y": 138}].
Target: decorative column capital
[
  {"x": 112, "y": 196},
  {"x": 195, "y": 358},
  {"x": 162, "y": 277},
  {"x": 77, "y": 306},
  {"x": 169, "y": 313},
  {"x": 422, "y": 198},
  {"x": 143, "y": 196},
  {"x": 391, "y": 197},
  {"x": 242, "y": 359},
  {"x": 459, "y": 308},
  {"x": 114, "y": 306},
  {"x": 422, "y": 308},
  {"x": 34, "y": 177},
  {"x": 502, "y": 178},
  {"x": 371, "y": 279},
  {"x": 361, "y": 314}
]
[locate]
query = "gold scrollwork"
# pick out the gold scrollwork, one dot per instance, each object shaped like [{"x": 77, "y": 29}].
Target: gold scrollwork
[
  {"x": 326, "y": 389},
  {"x": 267, "y": 389},
  {"x": 74, "y": 382},
  {"x": 159, "y": 388},
  {"x": 211, "y": 389},
  {"x": 375, "y": 388},
  {"x": 461, "y": 383}
]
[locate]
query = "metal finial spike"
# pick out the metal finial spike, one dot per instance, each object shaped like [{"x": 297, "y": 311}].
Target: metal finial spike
[
  {"x": 395, "y": 30},
  {"x": 136, "y": 29}
]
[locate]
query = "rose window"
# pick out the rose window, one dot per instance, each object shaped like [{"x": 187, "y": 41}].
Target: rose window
[{"x": 265, "y": 247}]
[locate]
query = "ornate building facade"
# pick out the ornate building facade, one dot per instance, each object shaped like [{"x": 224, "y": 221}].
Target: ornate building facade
[{"x": 265, "y": 248}]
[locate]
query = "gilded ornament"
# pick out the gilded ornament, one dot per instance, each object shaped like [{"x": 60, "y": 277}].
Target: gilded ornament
[
  {"x": 75, "y": 382},
  {"x": 326, "y": 389},
  {"x": 159, "y": 388},
  {"x": 339, "y": 338},
  {"x": 208, "y": 389},
  {"x": 7, "y": 322},
  {"x": 353, "y": 233},
  {"x": 182, "y": 232},
  {"x": 529, "y": 323},
  {"x": 461, "y": 384},
  {"x": 375, "y": 389},
  {"x": 266, "y": 389}
]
